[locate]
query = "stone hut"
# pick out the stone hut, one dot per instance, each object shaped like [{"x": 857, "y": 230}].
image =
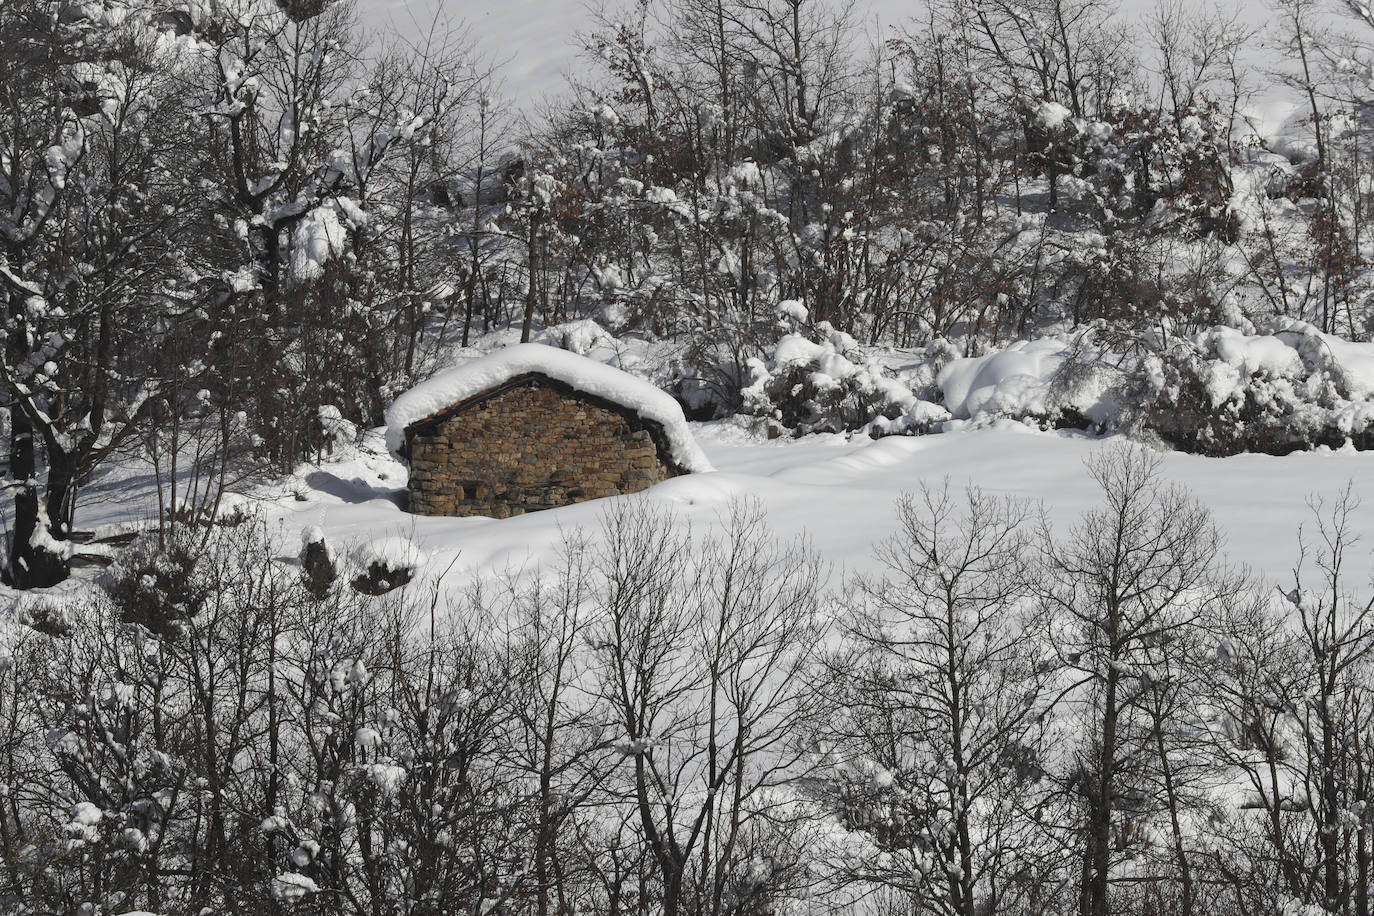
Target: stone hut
[{"x": 533, "y": 427}]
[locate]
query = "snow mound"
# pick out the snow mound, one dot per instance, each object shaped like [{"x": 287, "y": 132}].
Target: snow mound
[
  {"x": 472, "y": 378},
  {"x": 390, "y": 553},
  {"x": 580, "y": 337},
  {"x": 1014, "y": 381},
  {"x": 1255, "y": 353}
]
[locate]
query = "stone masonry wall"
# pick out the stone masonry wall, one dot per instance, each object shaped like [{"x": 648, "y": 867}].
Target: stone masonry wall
[{"x": 526, "y": 449}]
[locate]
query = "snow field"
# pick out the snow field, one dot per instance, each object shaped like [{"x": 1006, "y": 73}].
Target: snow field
[{"x": 840, "y": 494}]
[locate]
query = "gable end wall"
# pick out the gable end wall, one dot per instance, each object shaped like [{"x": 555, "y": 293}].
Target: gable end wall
[{"x": 527, "y": 447}]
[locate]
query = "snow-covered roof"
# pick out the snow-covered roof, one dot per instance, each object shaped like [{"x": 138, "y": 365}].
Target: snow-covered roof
[{"x": 454, "y": 385}]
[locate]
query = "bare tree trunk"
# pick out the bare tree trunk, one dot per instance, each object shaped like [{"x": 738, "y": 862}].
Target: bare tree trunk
[
  {"x": 532, "y": 293},
  {"x": 1098, "y": 872}
]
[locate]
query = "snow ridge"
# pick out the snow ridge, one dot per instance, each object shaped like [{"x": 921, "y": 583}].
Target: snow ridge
[{"x": 598, "y": 379}]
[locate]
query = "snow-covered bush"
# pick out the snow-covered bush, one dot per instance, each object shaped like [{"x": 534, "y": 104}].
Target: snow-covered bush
[
  {"x": 1222, "y": 391},
  {"x": 825, "y": 382},
  {"x": 385, "y": 564},
  {"x": 157, "y": 582},
  {"x": 335, "y": 431},
  {"x": 319, "y": 566},
  {"x": 292, "y": 887},
  {"x": 580, "y": 337},
  {"x": 50, "y": 614}
]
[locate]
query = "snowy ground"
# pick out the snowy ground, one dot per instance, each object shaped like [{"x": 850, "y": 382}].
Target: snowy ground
[{"x": 837, "y": 493}]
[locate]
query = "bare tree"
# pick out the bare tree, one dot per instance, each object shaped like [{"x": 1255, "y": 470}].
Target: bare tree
[
  {"x": 1195, "y": 54},
  {"x": 1133, "y": 577},
  {"x": 704, "y": 666},
  {"x": 1337, "y": 637},
  {"x": 562, "y": 744},
  {"x": 940, "y": 740},
  {"x": 90, "y": 121}
]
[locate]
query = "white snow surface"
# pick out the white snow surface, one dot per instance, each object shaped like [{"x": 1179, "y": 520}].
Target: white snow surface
[
  {"x": 836, "y": 491},
  {"x": 1010, "y": 381},
  {"x": 615, "y": 385},
  {"x": 840, "y": 494},
  {"x": 393, "y": 553}
]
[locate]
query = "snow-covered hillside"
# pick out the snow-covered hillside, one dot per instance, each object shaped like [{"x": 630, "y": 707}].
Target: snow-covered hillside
[{"x": 996, "y": 395}]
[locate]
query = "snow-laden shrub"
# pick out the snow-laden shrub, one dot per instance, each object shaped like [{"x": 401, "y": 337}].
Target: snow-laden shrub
[
  {"x": 50, "y": 614},
  {"x": 386, "y": 564},
  {"x": 158, "y": 583},
  {"x": 292, "y": 887},
  {"x": 334, "y": 430},
  {"x": 1222, "y": 391},
  {"x": 319, "y": 566},
  {"x": 825, "y": 382}
]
